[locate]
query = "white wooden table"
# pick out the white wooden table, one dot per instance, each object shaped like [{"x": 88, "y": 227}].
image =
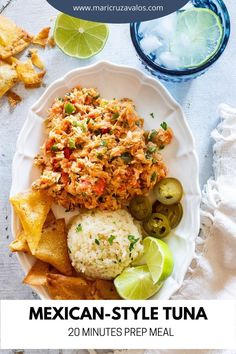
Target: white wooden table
[{"x": 199, "y": 99}]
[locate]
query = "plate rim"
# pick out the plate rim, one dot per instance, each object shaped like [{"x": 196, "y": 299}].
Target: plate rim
[{"x": 170, "y": 100}]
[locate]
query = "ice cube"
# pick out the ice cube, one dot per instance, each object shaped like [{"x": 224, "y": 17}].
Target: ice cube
[
  {"x": 168, "y": 60},
  {"x": 165, "y": 27},
  {"x": 150, "y": 44},
  {"x": 146, "y": 27}
]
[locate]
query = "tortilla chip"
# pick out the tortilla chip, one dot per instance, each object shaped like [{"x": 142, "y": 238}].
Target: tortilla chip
[
  {"x": 13, "y": 98},
  {"x": 27, "y": 74},
  {"x": 20, "y": 244},
  {"x": 61, "y": 287},
  {"x": 8, "y": 77},
  {"x": 13, "y": 39},
  {"x": 42, "y": 37},
  {"x": 36, "y": 59},
  {"x": 32, "y": 209},
  {"x": 38, "y": 274},
  {"x": 106, "y": 289},
  {"x": 52, "y": 247}
]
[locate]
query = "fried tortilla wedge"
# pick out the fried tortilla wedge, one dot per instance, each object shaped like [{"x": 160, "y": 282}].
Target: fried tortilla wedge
[
  {"x": 8, "y": 77},
  {"x": 27, "y": 74},
  {"x": 13, "y": 39},
  {"x": 38, "y": 274},
  {"x": 20, "y": 244},
  {"x": 61, "y": 287},
  {"x": 106, "y": 289},
  {"x": 36, "y": 60},
  {"x": 13, "y": 98},
  {"x": 42, "y": 37},
  {"x": 52, "y": 247},
  {"x": 32, "y": 209}
]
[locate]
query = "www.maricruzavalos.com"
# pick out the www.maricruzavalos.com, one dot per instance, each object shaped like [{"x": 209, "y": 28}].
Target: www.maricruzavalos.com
[{"x": 118, "y": 8}]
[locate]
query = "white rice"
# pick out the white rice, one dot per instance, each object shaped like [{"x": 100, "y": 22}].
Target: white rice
[{"x": 91, "y": 252}]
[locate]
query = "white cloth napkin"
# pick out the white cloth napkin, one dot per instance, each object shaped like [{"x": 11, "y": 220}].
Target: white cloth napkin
[{"x": 212, "y": 274}]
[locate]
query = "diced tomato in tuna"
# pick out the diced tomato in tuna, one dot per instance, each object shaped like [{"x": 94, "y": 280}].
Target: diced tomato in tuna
[
  {"x": 49, "y": 143},
  {"x": 105, "y": 130},
  {"x": 100, "y": 186},
  {"x": 55, "y": 165},
  {"x": 64, "y": 177},
  {"x": 67, "y": 152}
]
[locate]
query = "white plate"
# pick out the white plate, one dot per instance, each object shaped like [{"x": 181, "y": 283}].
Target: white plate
[{"x": 180, "y": 156}]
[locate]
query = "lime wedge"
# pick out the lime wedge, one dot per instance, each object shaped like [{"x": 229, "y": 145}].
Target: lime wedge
[
  {"x": 159, "y": 259},
  {"x": 136, "y": 284},
  {"x": 198, "y": 37},
  {"x": 79, "y": 38}
]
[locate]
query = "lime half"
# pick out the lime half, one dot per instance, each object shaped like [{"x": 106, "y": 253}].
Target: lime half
[
  {"x": 79, "y": 38},
  {"x": 159, "y": 259},
  {"x": 198, "y": 37},
  {"x": 136, "y": 284}
]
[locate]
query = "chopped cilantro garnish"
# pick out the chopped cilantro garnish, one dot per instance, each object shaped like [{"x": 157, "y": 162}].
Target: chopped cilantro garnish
[
  {"x": 104, "y": 103},
  {"x": 69, "y": 108},
  {"x": 152, "y": 149},
  {"x": 111, "y": 239},
  {"x": 115, "y": 116},
  {"x": 153, "y": 177},
  {"x": 152, "y": 135},
  {"x": 83, "y": 128},
  {"x": 54, "y": 148},
  {"x": 78, "y": 228},
  {"x": 97, "y": 241},
  {"x": 104, "y": 143},
  {"x": 131, "y": 238},
  {"x": 72, "y": 144},
  {"x": 164, "y": 125},
  {"x": 133, "y": 241},
  {"x": 152, "y": 115},
  {"x": 75, "y": 124}
]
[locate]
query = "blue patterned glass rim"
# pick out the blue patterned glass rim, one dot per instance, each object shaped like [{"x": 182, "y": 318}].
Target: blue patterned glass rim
[{"x": 218, "y": 6}]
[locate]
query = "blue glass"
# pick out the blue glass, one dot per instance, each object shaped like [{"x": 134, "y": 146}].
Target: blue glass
[{"x": 181, "y": 75}]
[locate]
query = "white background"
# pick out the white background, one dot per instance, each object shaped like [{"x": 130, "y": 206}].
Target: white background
[{"x": 218, "y": 332}]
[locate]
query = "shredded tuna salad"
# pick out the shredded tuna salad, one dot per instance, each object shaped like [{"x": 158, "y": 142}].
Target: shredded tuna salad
[{"x": 97, "y": 153}]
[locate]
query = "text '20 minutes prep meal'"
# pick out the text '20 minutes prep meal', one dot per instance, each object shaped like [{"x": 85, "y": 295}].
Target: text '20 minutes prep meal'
[{"x": 98, "y": 159}]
